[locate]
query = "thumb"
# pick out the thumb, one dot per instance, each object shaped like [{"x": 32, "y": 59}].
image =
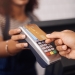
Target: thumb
[{"x": 54, "y": 35}]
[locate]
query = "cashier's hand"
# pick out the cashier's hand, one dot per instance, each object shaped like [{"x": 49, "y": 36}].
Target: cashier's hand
[
  {"x": 64, "y": 41},
  {"x": 15, "y": 36}
]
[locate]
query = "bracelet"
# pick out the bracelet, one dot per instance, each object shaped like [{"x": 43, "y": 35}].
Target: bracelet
[{"x": 6, "y": 49}]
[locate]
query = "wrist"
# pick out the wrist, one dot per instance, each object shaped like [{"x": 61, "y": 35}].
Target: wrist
[
  {"x": 7, "y": 50},
  {"x": 11, "y": 47}
]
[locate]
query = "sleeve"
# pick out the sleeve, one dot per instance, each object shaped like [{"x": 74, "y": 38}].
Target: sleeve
[{"x": 1, "y": 24}]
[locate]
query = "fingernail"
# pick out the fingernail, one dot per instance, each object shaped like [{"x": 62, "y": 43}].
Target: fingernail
[
  {"x": 59, "y": 41},
  {"x": 23, "y": 36},
  {"x": 18, "y": 30},
  {"x": 48, "y": 35},
  {"x": 26, "y": 44},
  {"x": 64, "y": 47}
]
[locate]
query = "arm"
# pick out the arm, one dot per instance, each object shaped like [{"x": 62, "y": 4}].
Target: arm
[{"x": 13, "y": 47}]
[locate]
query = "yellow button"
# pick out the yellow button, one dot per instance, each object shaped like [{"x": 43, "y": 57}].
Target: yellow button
[{"x": 51, "y": 53}]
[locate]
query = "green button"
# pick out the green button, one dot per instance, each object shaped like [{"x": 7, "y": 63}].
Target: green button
[{"x": 54, "y": 51}]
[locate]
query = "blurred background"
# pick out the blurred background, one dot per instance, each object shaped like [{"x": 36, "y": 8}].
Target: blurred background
[
  {"x": 55, "y": 9},
  {"x": 57, "y": 15}
]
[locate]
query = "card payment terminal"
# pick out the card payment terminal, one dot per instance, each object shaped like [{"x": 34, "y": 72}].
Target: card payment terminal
[{"x": 45, "y": 53}]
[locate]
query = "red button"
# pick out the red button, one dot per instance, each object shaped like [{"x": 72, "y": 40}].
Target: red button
[{"x": 48, "y": 53}]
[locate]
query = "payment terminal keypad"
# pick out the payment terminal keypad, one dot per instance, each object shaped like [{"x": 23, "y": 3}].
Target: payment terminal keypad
[{"x": 48, "y": 49}]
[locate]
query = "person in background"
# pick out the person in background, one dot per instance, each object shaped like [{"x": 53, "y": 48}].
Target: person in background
[
  {"x": 64, "y": 41},
  {"x": 15, "y": 57}
]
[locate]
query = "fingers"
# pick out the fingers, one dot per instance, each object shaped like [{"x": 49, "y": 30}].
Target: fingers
[
  {"x": 67, "y": 31},
  {"x": 65, "y": 53},
  {"x": 58, "y": 42},
  {"x": 21, "y": 45},
  {"x": 61, "y": 48},
  {"x": 18, "y": 37},
  {"x": 57, "y": 34},
  {"x": 16, "y": 47},
  {"x": 54, "y": 35},
  {"x": 14, "y": 31},
  {"x": 49, "y": 40}
]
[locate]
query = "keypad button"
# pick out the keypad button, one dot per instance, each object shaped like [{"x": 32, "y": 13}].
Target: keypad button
[
  {"x": 45, "y": 51},
  {"x": 39, "y": 43},
  {"x": 45, "y": 44},
  {"x": 48, "y": 53},
  {"x": 43, "y": 48},
  {"x": 42, "y": 42},
  {"x": 49, "y": 49},
  {"x": 52, "y": 48},
  {"x": 48, "y": 44},
  {"x": 54, "y": 51},
  {"x": 51, "y": 53}
]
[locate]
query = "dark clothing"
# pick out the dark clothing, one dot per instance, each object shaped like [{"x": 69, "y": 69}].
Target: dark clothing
[{"x": 21, "y": 64}]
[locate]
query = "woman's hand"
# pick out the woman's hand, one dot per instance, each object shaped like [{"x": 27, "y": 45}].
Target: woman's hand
[{"x": 15, "y": 46}]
